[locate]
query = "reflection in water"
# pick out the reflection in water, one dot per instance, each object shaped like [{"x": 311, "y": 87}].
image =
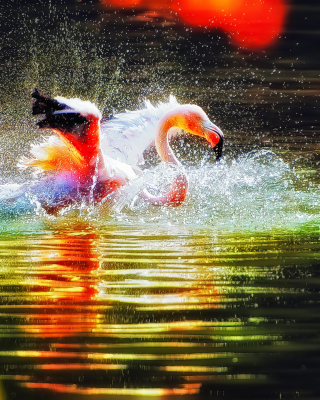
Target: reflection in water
[
  {"x": 73, "y": 292},
  {"x": 120, "y": 312}
]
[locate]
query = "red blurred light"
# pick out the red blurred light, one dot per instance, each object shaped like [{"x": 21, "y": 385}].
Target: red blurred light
[
  {"x": 121, "y": 3},
  {"x": 249, "y": 23}
]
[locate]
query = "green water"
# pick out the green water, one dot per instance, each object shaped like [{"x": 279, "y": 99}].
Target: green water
[
  {"x": 218, "y": 298},
  {"x": 118, "y": 311}
]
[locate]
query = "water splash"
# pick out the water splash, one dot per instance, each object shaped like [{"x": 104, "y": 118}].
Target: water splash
[{"x": 256, "y": 192}]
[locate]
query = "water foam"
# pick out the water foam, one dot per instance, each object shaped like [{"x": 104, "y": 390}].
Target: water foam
[{"x": 256, "y": 192}]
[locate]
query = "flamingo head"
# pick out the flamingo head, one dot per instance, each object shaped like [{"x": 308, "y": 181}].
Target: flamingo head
[{"x": 191, "y": 118}]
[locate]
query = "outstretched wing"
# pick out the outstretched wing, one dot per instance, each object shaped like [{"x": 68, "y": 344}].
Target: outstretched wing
[
  {"x": 68, "y": 118},
  {"x": 65, "y": 115}
]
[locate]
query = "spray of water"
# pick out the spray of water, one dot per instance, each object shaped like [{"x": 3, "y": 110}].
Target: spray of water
[{"x": 256, "y": 192}]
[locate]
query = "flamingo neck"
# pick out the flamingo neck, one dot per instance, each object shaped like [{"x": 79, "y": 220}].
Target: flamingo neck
[
  {"x": 162, "y": 140},
  {"x": 179, "y": 188}
]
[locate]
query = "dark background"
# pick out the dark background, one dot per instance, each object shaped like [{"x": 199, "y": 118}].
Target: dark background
[{"x": 119, "y": 57}]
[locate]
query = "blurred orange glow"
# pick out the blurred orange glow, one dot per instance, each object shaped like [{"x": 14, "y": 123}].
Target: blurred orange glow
[
  {"x": 184, "y": 389},
  {"x": 250, "y": 24},
  {"x": 66, "y": 278},
  {"x": 123, "y": 3}
]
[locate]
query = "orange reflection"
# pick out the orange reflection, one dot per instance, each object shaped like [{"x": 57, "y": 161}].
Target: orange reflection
[
  {"x": 123, "y": 3},
  {"x": 89, "y": 301},
  {"x": 186, "y": 389},
  {"x": 250, "y": 24},
  {"x": 66, "y": 281}
]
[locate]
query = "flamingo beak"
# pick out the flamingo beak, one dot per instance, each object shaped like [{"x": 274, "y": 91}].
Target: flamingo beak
[{"x": 215, "y": 137}]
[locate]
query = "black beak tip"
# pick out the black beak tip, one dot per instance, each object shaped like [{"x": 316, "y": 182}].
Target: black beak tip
[{"x": 219, "y": 147}]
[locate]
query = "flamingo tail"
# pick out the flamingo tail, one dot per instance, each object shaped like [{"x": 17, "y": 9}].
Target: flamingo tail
[{"x": 56, "y": 154}]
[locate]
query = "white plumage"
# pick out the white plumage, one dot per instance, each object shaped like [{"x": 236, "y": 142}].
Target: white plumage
[
  {"x": 127, "y": 135},
  {"x": 77, "y": 105}
]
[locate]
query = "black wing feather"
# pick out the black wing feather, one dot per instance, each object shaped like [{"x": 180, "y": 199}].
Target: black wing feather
[{"x": 68, "y": 122}]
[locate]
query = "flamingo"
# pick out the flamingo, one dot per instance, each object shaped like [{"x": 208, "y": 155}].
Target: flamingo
[
  {"x": 126, "y": 136},
  {"x": 90, "y": 160}
]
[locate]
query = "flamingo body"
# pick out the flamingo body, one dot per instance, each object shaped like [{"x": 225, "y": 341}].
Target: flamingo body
[
  {"x": 127, "y": 135},
  {"x": 88, "y": 162}
]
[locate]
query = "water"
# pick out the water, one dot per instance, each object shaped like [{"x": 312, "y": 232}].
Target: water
[
  {"x": 124, "y": 311},
  {"x": 218, "y": 298}
]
